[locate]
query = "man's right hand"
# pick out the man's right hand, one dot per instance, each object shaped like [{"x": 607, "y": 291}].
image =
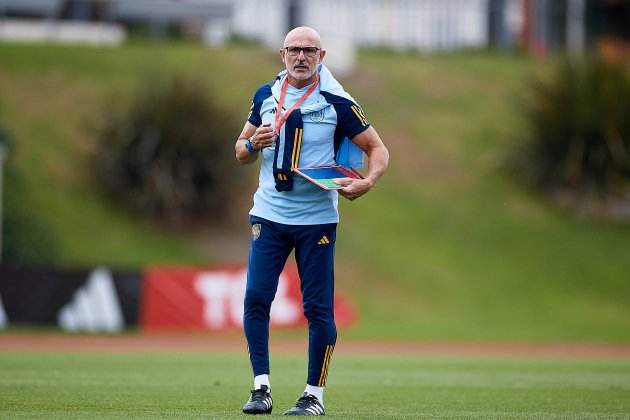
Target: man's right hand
[
  {"x": 260, "y": 137},
  {"x": 264, "y": 136}
]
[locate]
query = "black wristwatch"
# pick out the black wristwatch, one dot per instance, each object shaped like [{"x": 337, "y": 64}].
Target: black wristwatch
[{"x": 250, "y": 147}]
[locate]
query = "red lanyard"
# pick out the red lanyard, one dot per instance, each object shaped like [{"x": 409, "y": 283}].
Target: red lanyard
[{"x": 280, "y": 120}]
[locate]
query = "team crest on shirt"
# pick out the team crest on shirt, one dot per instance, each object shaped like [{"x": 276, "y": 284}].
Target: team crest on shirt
[
  {"x": 317, "y": 116},
  {"x": 256, "y": 228}
]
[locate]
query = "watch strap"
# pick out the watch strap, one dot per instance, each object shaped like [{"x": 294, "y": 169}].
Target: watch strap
[{"x": 249, "y": 146}]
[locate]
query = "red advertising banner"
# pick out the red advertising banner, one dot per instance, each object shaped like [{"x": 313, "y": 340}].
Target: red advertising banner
[{"x": 194, "y": 298}]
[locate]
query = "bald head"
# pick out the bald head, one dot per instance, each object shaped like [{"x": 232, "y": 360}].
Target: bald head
[
  {"x": 303, "y": 36},
  {"x": 301, "y": 53}
]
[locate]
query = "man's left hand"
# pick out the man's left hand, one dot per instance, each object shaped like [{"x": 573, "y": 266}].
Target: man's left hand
[{"x": 354, "y": 188}]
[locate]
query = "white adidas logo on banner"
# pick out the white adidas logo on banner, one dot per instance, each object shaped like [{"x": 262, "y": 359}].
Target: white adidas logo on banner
[
  {"x": 94, "y": 307},
  {"x": 4, "y": 320}
]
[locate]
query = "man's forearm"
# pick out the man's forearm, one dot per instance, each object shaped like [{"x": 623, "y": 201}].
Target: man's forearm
[{"x": 378, "y": 160}]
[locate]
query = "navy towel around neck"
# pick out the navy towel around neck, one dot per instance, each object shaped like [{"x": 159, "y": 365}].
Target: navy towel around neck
[{"x": 289, "y": 149}]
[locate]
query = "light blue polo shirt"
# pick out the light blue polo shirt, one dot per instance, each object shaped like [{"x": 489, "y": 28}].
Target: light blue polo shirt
[{"x": 333, "y": 118}]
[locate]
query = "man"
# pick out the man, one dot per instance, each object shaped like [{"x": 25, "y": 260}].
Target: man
[{"x": 299, "y": 119}]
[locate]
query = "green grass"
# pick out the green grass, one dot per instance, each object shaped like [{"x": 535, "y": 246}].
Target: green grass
[
  {"x": 180, "y": 385},
  {"x": 446, "y": 247}
]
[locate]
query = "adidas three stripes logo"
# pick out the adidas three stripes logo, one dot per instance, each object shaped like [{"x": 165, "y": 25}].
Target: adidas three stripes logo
[
  {"x": 324, "y": 372},
  {"x": 324, "y": 240}
]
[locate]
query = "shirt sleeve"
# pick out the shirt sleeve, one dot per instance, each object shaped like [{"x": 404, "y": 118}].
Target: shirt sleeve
[
  {"x": 254, "y": 113},
  {"x": 254, "y": 110},
  {"x": 351, "y": 119}
]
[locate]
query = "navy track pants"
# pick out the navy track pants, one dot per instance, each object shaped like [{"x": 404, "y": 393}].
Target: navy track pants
[{"x": 270, "y": 247}]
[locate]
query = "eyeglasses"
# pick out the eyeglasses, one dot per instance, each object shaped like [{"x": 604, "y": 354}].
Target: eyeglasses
[{"x": 308, "y": 51}]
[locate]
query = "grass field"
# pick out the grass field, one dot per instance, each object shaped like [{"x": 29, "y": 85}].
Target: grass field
[
  {"x": 447, "y": 242},
  {"x": 215, "y": 386}
]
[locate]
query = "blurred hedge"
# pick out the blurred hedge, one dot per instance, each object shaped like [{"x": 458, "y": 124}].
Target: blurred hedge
[
  {"x": 577, "y": 145},
  {"x": 169, "y": 153},
  {"x": 26, "y": 238}
]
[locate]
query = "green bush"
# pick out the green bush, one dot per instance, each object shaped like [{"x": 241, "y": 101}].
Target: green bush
[
  {"x": 26, "y": 238},
  {"x": 578, "y": 138},
  {"x": 169, "y": 154}
]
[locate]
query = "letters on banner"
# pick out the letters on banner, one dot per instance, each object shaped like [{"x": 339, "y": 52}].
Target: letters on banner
[{"x": 196, "y": 299}]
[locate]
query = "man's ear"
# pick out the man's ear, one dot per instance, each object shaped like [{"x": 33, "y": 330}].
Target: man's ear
[
  {"x": 322, "y": 54},
  {"x": 282, "y": 52}
]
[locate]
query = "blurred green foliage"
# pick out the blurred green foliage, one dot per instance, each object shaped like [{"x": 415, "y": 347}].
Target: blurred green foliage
[
  {"x": 169, "y": 153},
  {"x": 26, "y": 237},
  {"x": 578, "y": 139}
]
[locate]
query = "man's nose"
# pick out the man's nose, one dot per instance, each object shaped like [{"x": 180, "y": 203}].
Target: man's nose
[{"x": 301, "y": 54}]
